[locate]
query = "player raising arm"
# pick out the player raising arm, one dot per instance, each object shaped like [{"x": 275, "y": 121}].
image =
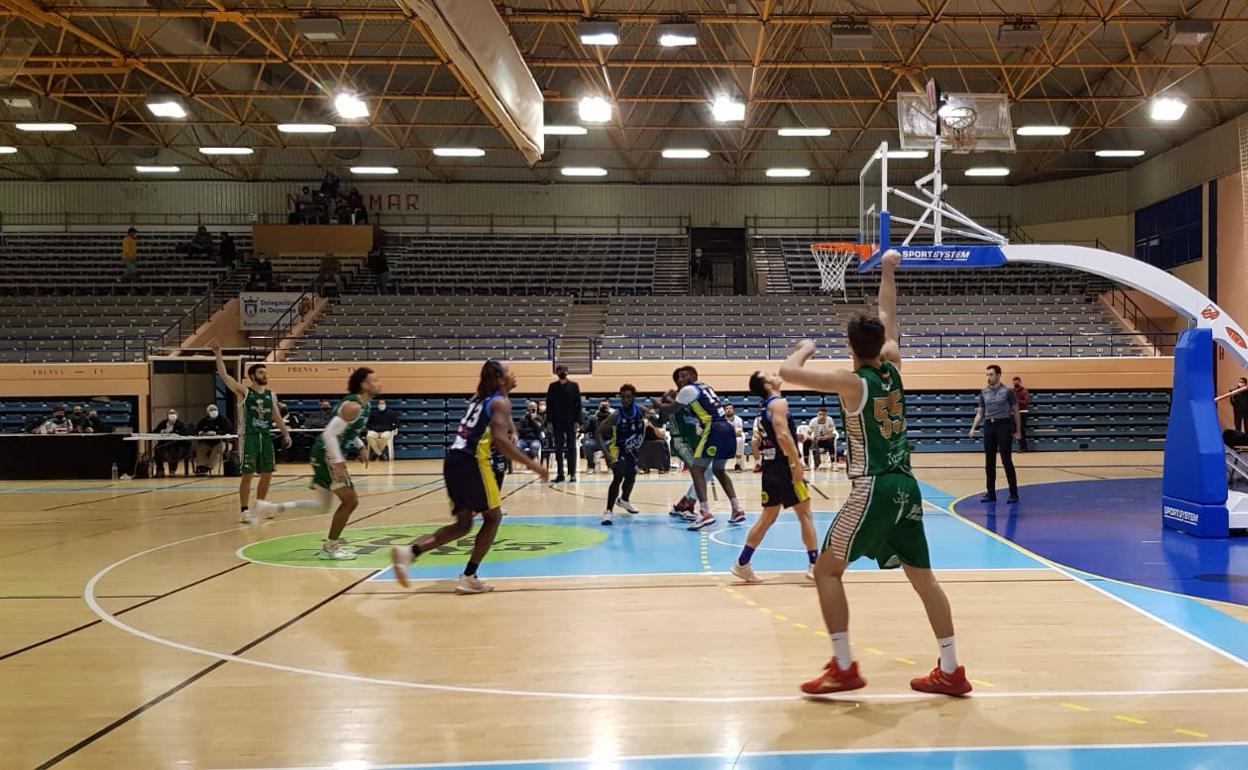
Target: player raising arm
[{"x": 883, "y": 517}]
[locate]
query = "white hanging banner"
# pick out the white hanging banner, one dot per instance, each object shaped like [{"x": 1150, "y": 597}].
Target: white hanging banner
[{"x": 259, "y": 310}]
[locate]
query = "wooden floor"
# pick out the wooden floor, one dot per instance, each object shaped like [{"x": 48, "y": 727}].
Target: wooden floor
[{"x": 133, "y": 634}]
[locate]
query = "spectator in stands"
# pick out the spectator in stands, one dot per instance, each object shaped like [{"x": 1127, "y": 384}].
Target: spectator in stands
[
  {"x": 998, "y": 409},
  {"x": 706, "y": 271},
  {"x": 590, "y": 446},
  {"x": 130, "y": 256},
  {"x": 383, "y": 425},
  {"x": 79, "y": 420},
  {"x": 170, "y": 451},
  {"x": 208, "y": 454},
  {"x": 380, "y": 266},
  {"x": 355, "y": 208},
  {"x": 563, "y": 399},
  {"x": 96, "y": 424},
  {"x": 738, "y": 427},
  {"x": 331, "y": 273},
  {"x": 228, "y": 254},
  {"x": 822, "y": 435},
  {"x": 1239, "y": 405},
  {"x": 321, "y": 419},
  {"x": 803, "y": 441},
  {"x": 694, "y": 256},
  {"x": 329, "y": 187},
  {"x": 57, "y": 423},
  {"x": 304, "y": 206},
  {"x": 201, "y": 244},
  {"x": 1022, "y": 397},
  {"x": 262, "y": 274},
  {"x": 532, "y": 431}
]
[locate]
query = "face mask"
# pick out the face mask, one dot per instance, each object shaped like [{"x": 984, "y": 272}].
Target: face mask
[
  {"x": 59, "y": 417},
  {"x": 173, "y": 416},
  {"x": 381, "y": 408},
  {"x": 212, "y": 413}
]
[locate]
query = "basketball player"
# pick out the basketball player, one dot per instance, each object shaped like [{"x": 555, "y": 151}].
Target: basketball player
[
  {"x": 330, "y": 477},
  {"x": 627, "y": 426},
  {"x": 783, "y": 478},
  {"x": 682, "y": 427},
  {"x": 255, "y": 438},
  {"x": 883, "y": 517},
  {"x": 716, "y": 444},
  {"x": 470, "y": 480}
]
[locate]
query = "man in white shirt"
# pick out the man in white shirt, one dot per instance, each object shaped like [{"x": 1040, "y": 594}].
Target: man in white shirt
[
  {"x": 738, "y": 427},
  {"x": 823, "y": 435},
  {"x": 756, "y": 440}
]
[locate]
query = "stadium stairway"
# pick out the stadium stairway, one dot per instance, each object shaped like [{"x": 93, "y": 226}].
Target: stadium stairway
[
  {"x": 769, "y": 263},
  {"x": 584, "y": 319}
]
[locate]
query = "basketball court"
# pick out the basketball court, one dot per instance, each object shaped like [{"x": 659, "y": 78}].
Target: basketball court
[{"x": 197, "y": 642}]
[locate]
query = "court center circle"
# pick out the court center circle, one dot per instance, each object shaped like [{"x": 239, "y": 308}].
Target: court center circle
[{"x": 372, "y": 545}]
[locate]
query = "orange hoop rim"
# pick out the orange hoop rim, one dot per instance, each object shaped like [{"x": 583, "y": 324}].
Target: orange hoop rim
[{"x": 863, "y": 250}]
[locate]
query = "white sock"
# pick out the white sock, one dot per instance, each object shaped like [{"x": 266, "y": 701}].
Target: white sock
[
  {"x": 296, "y": 504},
  {"x": 705, "y": 507},
  {"x": 948, "y": 655},
  {"x": 691, "y": 493},
  {"x": 840, "y": 649},
  {"x": 735, "y": 505}
]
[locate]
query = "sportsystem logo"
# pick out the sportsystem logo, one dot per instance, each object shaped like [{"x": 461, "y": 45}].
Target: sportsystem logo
[
  {"x": 1236, "y": 337},
  {"x": 1187, "y": 517},
  {"x": 1210, "y": 313},
  {"x": 932, "y": 255}
]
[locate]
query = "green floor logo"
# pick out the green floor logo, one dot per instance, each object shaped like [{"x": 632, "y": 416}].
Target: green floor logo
[{"x": 372, "y": 545}]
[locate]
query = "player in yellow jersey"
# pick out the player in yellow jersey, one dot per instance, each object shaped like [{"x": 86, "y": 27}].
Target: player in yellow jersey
[{"x": 883, "y": 517}]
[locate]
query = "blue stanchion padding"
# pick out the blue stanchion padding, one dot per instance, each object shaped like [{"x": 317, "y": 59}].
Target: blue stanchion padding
[
  {"x": 934, "y": 257},
  {"x": 1194, "y": 480}
]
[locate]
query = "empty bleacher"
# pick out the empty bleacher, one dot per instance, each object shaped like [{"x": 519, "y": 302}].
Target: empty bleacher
[
  {"x": 86, "y": 329},
  {"x": 90, "y": 263},
  {"x": 518, "y": 264},
  {"x": 934, "y": 326},
  {"x": 405, "y": 328}
]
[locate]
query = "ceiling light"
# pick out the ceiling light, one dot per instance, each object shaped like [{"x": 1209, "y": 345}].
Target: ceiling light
[
  {"x": 319, "y": 28},
  {"x": 678, "y": 35},
  {"x": 1119, "y": 153},
  {"x": 350, "y": 106},
  {"x": 20, "y": 102},
  {"x": 166, "y": 107},
  {"x": 157, "y": 169},
  {"x": 226, "y": 150},
  {"x": 726, "y": 109},
  {"x": 791, "y": 173},
  {"x": 805, "y": 132},
  {"x": 1189, "y": 31},
  {"x": 1167, "y": 109},
  {"x": 599, "y": 32},
  {"x": 383, "y": 170},
  {"x": 907, "y": 154},
  {"x": 988, "y": 171},
  {"x": 458, "y": 152},
  {"x": 45, "y": 127},
  {"x": 1043, "y": 130},
  {"x": 7, "y": 150},
  {"x": 583, "y": 171},
  {"x": 564, "y": 130},
  {"x": 594, "y": 109},
  {"x": 305, "y": 128},
  {"x": 677, "y": 154},
  {"x": 1020, "y": 33}
]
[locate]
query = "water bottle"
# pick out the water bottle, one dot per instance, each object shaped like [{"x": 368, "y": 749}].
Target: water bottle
[{"x": 114, "y": 473}]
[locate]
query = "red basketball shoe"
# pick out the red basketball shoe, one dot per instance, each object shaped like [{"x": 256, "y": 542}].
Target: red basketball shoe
[
  {"x": 939, "y": 682},
  {"x": 834, "y": 679}
]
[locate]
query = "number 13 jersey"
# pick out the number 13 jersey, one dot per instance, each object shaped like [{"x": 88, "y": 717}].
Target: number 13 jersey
[{"x": 876, "y": 429}]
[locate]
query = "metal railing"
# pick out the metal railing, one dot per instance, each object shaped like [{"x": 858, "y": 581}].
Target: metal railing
[
  {"x": 534, "y": 347},
  {"x": 1132, "y": 313},
  {"x": 533, "y": 223},
  {"x": 845, "y": 226},
  {"x": 75, "y": 349},
  {"x": 65, "y": 221}
]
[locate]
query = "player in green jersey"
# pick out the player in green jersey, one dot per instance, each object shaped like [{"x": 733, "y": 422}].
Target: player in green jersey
[
  {"x": 330, "y": 477},
  {"x": 255, "y": 436},
  {"x": 883, "y": 517}
]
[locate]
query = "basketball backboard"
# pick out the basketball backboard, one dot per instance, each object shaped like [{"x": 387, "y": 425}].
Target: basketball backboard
[{"x": 971, "y": 122}]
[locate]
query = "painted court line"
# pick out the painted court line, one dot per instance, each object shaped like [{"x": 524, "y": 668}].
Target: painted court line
[{"x": 734, "y": 755}]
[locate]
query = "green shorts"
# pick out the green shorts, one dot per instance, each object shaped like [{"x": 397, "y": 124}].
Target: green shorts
[
  {"x": 321, "y": 476},
  {"x": 682, "y": 448},
  {"x": 882, "y": 520},
  {"x": 258, "y": 453}
]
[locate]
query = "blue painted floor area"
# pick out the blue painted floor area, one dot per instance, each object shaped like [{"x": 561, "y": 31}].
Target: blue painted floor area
[
  {"x": 1230, "y": 756},
  {"x": 657, "y": 543},
  {"x": 1113, "y": 528}
]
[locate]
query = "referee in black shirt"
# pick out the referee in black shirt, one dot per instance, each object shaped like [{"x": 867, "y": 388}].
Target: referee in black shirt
[
  {"x": 563, "y": 410},
  {"x": 998, "y": 410}
]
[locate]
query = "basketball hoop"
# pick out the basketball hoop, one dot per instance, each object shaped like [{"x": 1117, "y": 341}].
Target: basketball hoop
[
  {"x": 959, "y": 121},
  {"x": 833, "y": 259}
]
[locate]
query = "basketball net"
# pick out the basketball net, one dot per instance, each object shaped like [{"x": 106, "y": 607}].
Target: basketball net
[{"x": 833, "y": 259}]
